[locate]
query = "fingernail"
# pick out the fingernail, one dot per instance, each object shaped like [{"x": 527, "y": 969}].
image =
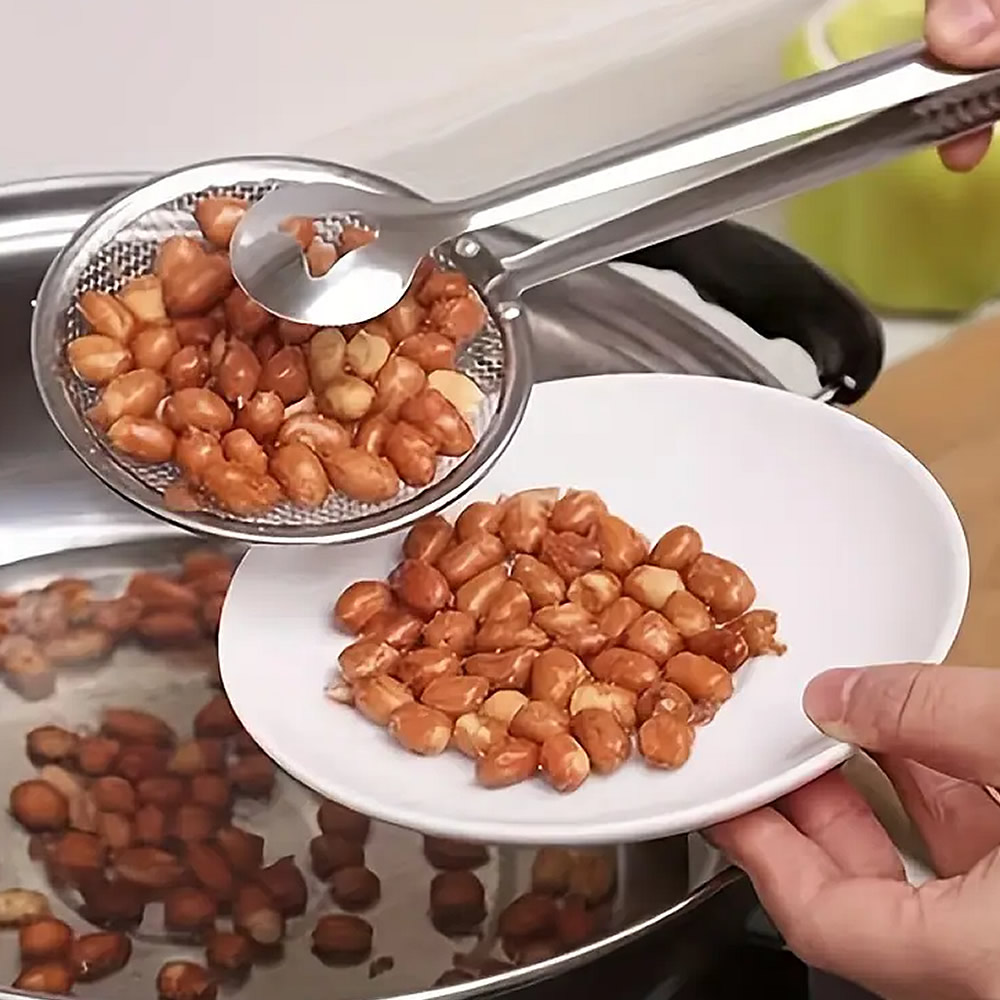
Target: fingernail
[
  {"x": 826, "y": 699},
  {"x": 962, "y": 22}
]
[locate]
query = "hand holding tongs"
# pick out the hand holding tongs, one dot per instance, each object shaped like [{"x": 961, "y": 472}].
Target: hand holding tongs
[{"x": 843, "y": 120}]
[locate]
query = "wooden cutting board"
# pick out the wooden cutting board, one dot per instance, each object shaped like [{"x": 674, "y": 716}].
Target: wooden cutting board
[{"x": 944, "y": 406}]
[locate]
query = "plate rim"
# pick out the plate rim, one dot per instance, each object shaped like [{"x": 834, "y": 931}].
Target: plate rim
[{"x": 831, "y": 754}]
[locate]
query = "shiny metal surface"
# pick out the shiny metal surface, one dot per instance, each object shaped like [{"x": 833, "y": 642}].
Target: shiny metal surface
[
  {"x": 927, "y": 101},
  {"x": 56, "y": 519},
  {"x": 52, "y": 320}
]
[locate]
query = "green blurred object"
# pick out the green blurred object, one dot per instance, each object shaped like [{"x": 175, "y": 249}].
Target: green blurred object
[{"x": 909, "y": 236}]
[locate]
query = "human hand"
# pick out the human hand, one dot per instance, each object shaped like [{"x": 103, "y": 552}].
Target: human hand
[
  {"x": 827, "y": 872},
  {"x": 964, "y": 33}
]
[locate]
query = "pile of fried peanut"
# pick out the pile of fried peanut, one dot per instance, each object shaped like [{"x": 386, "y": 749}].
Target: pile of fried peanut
[
  {"x": 254, "y": 411},
  {"x": 541, "y": 633}
]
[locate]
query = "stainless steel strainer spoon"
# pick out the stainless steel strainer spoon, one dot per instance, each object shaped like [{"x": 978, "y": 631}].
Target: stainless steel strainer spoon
[{"x": 365, "y": 283}]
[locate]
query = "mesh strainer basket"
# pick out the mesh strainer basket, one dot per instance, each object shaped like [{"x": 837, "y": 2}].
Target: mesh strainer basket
[{"x": 121, "y": 242}]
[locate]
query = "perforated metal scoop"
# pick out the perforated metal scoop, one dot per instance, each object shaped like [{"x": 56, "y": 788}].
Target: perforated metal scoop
[
  {"x": 270, "y": 267},
  {"x": 121, "y": 240}
]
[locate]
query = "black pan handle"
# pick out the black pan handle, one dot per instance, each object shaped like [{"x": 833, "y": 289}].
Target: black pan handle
[{"x": 782, "y": 295}]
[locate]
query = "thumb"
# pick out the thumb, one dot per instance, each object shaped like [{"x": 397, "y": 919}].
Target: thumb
[
  {"x": 944, "y": 717},
  {"x": 964, "y": 32}
]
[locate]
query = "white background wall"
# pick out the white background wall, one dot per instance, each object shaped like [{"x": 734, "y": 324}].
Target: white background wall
[{"x": 449, "y": 95}]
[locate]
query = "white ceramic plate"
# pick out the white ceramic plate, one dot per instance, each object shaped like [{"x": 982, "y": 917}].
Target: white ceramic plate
[{"x": 845, "y": 534}]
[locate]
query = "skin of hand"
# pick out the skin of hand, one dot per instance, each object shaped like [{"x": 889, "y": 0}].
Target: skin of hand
[
  {"x": 964, "y": 33},
  {"x": 827, "y": 872}
]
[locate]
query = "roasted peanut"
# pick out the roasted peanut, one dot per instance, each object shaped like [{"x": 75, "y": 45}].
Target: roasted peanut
[
  {"x": 421, "y": 587},
  {"x": 451, "y": 630},
  {"x": 143, "y": 297},
  {"x": 475, "y": 735},
  {"x": 571, "y": 627},
  {"x": 429, "y": 350},
  {"x": 538, "y": 720},
  {"x": 241, "y": 446},
  {"x": 325, "y": 355},
  {"x": 213, "y": 866},
  {"x": 218, "y": 216},
  {"x": 196, "y": 331},
  {"x": 141, "y": 760},
  {"x": 563, "y": 762},
  {"x": 174, "y": 252},
  {"x": 366, "y": 354},
  {"x": 372, "y": 434},
  {"x": 430, "y": 412},
  {"x": 653, "y": 635},
  {"x": 357, "y": 605},
  {"x": 253, "y": 775},
  {"x": 19, "y": 907},
  {"x": 626, "y": 668},
  {"x": 721, "y": 584},
  {"x": 286, "y": 374},
  {"x": 112, "y": 904},
  {"x": 154, "y": 346},
  {"x": 96, "y": 755},
  {"x": 148, "y": 867},
  {"x": 512, "y": 761},
  {"x": 500, "y": 637},
  {"x": 130, "y": 725},
  {"x": 459, "y": 390},
  {"x": 38, "y": 806},
  {"x": 396, "y": 627},
  {"x": 346, "y": 397},
  {"x": 361, "y": 476},
  {"x": 724, "y": 645},
  {"x": 263, "y": 415},
  {"x": 569, "y": 554},
  {"x": 413, "y": 453},
  {"x": 529, "y": 917},
  {"x": 192, "y": 822},
  {"x": 459, "y": 319},
  {"x": 300, "y": 474},
  {"x": 237, "y": 374},
  {"x": 133, "y": 394},
  {"x": 524, "y": 520},
  {"x": 652, "y": 586},
  {"x": 185, "y": 981},
  {"x": 457, "y": 902},
  {"x": 477, "y": 519},
  {"x": 143, "y": 438},
  {"x": 197, "y": 756},
  {"x": 50, "y": 744},
  {"x": 665, "y": 741},
  {"x": 759, "y": 630},
  {"x": 421, "y": 666},
  {"x": 320, "y": 257},
  {"x": 50, "y": 978},
  {"x": 94, "y": 956},
  {"x": 289, "y": 332},
  {"x": 188, "y": 368},
  {"x": 114, "y": 794},
  {"x": 593, "y": 876},
  {"x": 474, "y": 596},
  {"x": 703, "y": 679},
  {"x": 551, "y": 870},
  {"x": 286, "y": 886},
  {"x": 44, "y": 940},
  {"x": 150, "y": 827},
  {"x": 376, "y": 698},
  {"x": 166, "y": 792},
  {"x": 428, "y": 539},
  {"x": 687, "y": 614},
  {"x": 504, "y": 705},
  {"x": 211, "y": 791},
  {"x": 195, "y": 451},
  {"x": 240, "y": 490},
  {"x": 330, "y": 852},
  {"x": 555, "y": 675},
  {"x": 420, "y": 728},
  {"x": 677, "y": 549},
  {"x": 510, "y": 607},
  {"x": 455, "y": 696},
  {"x": 229, "y": 952},
  {"x": 577, "y": 511},
  {"x": 366, "y": 658},
  {"x": 595, "y": 591},
  {"x": 342, "y": 939},
  {"x": 664, "y": 697},
  {"x": 339, "y": 820},
  {"x": 603, "y": 737},
  {"x": 189, "y": 910},
  {"x": 355, "y": 888},
  {"x": 245, "y": 318},
  {"x": 26, "y": 669},
  {"x": 622, "y": 547},
  {"x": 196, "y": 286},
  {"x": 468, "y": 559},
  {"x": 201, "y": 409},
  {"x": 107, "y": 316},
  {"x": 320, "y": 434},
  {"x": 98, "y": 358},
  {"x": 399, "y": 380},
  {"x": 617, "y": 700}
]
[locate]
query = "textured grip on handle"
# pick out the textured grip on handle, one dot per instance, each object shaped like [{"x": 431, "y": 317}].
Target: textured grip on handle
[
  {"x": 781, "y": 295},
  {"x": 965, "y": 108}
]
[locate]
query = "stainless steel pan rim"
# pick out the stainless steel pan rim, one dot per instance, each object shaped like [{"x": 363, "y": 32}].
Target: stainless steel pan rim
[{"x": 55, "y": 297}]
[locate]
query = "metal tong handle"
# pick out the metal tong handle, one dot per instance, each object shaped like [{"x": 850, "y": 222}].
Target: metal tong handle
[
  {"x": 850, "y": 91},
  {"x": 811, "y": 162}
]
